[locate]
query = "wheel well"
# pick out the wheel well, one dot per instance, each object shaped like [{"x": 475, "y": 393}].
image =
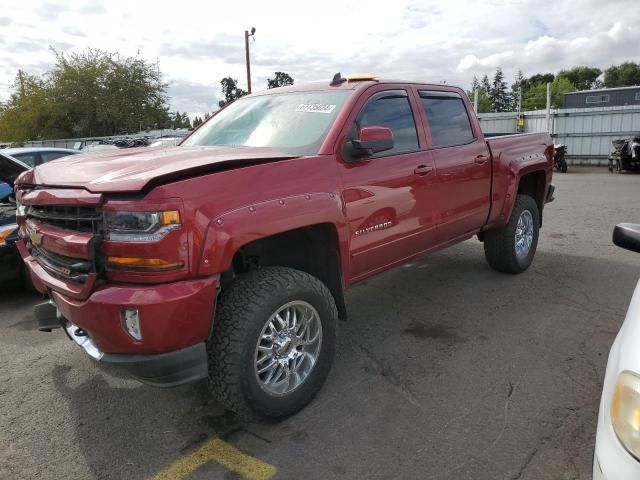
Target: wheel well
[
  {"x": 313, "y": 249},
  {"x": 532, "y": 184}
]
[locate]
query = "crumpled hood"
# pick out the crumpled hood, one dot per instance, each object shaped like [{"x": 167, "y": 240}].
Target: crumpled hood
[{"x": 133, "y": 169}]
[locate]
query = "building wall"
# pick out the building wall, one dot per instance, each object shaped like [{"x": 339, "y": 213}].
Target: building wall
[
  {"x": 587, "y": 132},
  {"x": 616, "y": 98}
]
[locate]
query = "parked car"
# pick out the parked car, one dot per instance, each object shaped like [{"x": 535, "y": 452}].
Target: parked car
[
  {"x": 617, "y": 450},
  {"x": 227, "y": 257},
  {"x": 34, "y": 156},
  {"x": 12, "y": 268},
  {"x": 166, "y": 142}
]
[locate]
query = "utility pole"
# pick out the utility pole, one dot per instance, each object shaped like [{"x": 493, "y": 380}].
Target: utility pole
[
  {"x": 475, "y": 100},
  {"x": 246, "y": 49}
]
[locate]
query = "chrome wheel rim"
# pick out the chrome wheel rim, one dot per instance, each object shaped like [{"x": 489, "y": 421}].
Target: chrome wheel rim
[
  {"x": 524, "y": 234},
  {"x": 288, "y": 348}
]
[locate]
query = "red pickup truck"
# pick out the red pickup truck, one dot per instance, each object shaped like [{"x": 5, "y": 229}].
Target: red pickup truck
[{"x": 227, "y": 257}]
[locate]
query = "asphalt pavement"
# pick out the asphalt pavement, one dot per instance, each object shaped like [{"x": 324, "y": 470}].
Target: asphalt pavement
[{"x": 444, "y": 370}]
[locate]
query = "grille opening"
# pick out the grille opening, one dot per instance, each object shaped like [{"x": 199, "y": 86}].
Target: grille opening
[{"x": 73, "y": 218}]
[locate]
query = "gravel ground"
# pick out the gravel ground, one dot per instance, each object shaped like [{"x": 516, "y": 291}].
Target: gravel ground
[{"x": 445, "y": 370}]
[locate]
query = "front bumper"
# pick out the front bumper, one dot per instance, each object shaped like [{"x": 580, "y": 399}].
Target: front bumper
[
  {"x": 175, "y": 321},
  {"x": 172, "y": 315},
  {"x": 168, "y": 369}
]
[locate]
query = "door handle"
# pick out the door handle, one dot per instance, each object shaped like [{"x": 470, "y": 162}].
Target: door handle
[
  {"x": 422, "y": 170},
  {"x": 480, "y": 160}
]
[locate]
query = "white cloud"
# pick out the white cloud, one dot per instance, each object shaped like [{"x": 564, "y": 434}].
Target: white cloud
[{"x": 199, "y": 42}]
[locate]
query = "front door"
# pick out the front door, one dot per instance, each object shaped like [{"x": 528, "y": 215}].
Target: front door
[{"x": 388, "y": 199}]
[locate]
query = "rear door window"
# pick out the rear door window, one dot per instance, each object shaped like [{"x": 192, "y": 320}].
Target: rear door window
[{"x": 448, "y": 119}]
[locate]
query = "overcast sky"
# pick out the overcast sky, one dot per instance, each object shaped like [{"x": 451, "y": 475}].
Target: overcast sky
[{"x": 199, "y": 42}]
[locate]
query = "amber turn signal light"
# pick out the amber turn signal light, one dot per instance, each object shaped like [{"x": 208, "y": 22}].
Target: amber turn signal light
[{"x": 142, "y": 264}]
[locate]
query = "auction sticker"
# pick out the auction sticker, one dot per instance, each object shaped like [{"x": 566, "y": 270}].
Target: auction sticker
[{"x": 315, "y": 108}]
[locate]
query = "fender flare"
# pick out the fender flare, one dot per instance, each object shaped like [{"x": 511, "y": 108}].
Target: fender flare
[{"x": 231, "y": 230}]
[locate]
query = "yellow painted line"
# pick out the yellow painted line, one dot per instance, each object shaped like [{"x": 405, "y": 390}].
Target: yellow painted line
[{"x": 216, "y": 450}]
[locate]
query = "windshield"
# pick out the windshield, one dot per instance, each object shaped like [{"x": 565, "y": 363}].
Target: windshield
[{"x": 294, "y": 123}]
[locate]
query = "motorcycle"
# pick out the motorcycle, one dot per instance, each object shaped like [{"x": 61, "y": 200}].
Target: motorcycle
[
  {"x": 625, "y": 155},
  {"x": 559, "y": 161}
]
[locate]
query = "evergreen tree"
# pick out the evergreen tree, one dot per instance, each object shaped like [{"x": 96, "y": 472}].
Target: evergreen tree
[
  {"x": 186, "y": 121},
  {"x": 516, "y": 91},
  {"x": 485, "y": 85},
  {"x": 498, "y": 94}
]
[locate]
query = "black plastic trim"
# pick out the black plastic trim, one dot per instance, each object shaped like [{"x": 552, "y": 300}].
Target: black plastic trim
[{"x": 164, "y": 370}]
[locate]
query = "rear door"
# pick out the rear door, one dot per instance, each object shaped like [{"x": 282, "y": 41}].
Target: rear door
[
  {"x": 387, "y": 196},
  {"x": 462, "y": 161}
]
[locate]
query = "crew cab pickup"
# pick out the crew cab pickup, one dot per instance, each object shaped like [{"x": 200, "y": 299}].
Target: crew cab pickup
[{"x": 227, "y": 257}]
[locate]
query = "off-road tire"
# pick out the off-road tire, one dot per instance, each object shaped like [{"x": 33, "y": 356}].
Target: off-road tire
[
  {"x": 499, "y": 244},
  {"x": 243, "y": 310}
]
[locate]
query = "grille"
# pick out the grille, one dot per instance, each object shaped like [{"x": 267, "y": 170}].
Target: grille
[
  {"x": 73, "y": 218},
  {"x": 67, "y": 268}
]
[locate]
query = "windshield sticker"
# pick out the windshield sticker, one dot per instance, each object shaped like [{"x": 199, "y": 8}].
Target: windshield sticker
[{"x": 315, "y": 108}]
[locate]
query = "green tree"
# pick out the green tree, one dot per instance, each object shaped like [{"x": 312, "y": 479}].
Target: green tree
[
  {"x": 29, "y": 112},
  {"x": 583, "y": 78},
  {"x": 485, "y": 84},
  {"x": 499, "y": 95},
  {"x": 177, "y": 120},
  {"x": 281, "y": 79},
  {"x": 484, "y": 103},
  {"x": 536, "y": 96},
  {"x": 186, "y": 121},
  {"x": 624, "y": 75},
  {"x": 230, "y": 89},
  {"x": 93, "y": 93}
]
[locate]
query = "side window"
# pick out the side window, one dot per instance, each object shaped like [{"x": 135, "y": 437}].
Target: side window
[
  {"x": 48, "y": 156},
  {"x": 394, "y": 112},
  {"x": 448, "y": 120},
  {"x": 29, "y": 159}
]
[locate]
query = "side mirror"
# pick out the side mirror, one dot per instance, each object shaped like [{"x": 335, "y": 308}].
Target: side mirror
[
  {"x": 627, "y": 236},
  {"x": 372, "y": 140}
]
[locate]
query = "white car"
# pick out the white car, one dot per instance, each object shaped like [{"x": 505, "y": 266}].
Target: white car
[{"x": 617, "y": 451}]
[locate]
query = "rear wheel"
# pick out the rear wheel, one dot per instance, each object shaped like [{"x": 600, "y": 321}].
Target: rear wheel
[
  {"x": 273, "y": 342},
  {"x": 511, "y": 249}
]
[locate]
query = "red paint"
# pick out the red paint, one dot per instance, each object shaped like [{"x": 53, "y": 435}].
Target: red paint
[
  {"x": 69, "y": 244},
  {"x": 383, "y": 211}
]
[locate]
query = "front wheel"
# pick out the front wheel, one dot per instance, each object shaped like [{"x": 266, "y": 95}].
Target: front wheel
[
  {"x": 511, "y": 249},
  {"x": 273, "y": 342}
]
